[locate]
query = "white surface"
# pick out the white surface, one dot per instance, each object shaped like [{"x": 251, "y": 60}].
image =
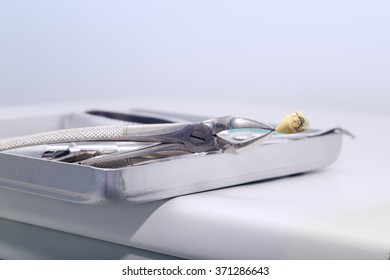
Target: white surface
[{"x": 338, "y": 212}]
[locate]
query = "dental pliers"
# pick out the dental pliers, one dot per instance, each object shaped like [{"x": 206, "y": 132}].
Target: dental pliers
[{"x": 156, "y": 140}]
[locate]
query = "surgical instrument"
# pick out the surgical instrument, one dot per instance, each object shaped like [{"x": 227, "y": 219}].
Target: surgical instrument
[{"x": 161, "y": 139}]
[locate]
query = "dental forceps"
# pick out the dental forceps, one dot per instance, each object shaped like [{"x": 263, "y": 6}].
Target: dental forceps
[{"x": 160, "y": 140}]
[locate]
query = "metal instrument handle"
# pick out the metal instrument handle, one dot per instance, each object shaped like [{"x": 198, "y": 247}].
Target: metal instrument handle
[{"x": 101, "y": 133}]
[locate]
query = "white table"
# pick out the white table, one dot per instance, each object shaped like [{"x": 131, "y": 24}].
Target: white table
[{"x": 340, "y": 212}]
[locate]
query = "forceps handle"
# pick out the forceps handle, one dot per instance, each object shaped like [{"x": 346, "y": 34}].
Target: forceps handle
[
  {"x": 140, "y": 133},
  {"x": 63, "y": 136}
]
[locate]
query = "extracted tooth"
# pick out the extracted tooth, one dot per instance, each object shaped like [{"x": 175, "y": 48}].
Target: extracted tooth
[{"x": 293, "y": 123}]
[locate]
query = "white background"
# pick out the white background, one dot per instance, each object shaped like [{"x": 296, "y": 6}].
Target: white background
[{"x": 330, "y": 54}]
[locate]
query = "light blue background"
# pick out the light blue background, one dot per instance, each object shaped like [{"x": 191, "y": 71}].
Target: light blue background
[{"x": 320, "y": 53}]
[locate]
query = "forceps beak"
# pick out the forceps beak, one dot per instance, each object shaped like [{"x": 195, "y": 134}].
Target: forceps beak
[{"x": 236, "y": 134}]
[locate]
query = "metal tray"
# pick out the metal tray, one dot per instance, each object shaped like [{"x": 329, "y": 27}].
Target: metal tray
[{"x": 23, "y": 171}]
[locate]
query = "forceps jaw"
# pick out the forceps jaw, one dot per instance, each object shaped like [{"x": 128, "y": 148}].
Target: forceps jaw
[
  {"x": 238, "y": 147},
  {"x": 230, "y": 145},
  {"x": 235, "y": 122}
]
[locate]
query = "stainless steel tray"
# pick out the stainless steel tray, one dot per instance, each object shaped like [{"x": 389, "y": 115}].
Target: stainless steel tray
[{"x": 22, "y": 170}]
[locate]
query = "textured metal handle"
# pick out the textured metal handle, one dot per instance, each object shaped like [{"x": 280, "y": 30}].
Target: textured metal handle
[{"x": 101, "y": 133}]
